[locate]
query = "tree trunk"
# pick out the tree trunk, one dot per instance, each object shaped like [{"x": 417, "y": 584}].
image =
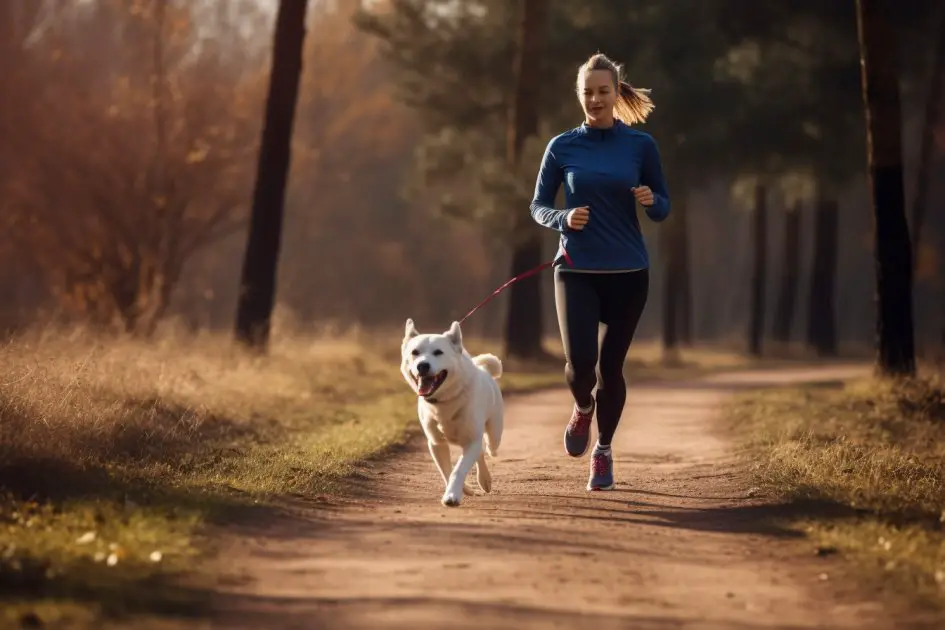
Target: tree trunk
[
  {"x": 879, "y": 50},
  {"x": 685, "y": 277},
  {"x": 934, "y": 112},
  {"x": 821, "y": 311},
  {"x": 759, "y": 235},
  {"x": 670, "y": 255},
  {"x": 790, "y": 275},
  {"x": 672, "y": 235},
  {"x": 524, "y": 322},
  {"x": 258, "y": 282}
]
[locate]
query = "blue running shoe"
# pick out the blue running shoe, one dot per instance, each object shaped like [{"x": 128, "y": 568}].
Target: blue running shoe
[{"x": 602, "y": 469}]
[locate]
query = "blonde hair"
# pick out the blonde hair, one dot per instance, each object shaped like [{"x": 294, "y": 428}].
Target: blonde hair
[{"x": 633, "y": 103}]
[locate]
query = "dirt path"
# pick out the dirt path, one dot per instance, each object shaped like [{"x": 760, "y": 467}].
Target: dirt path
[{"x": 678, "y": 545}]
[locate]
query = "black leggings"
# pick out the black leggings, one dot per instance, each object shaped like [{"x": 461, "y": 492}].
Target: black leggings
[{"x": 584, "y": 301}]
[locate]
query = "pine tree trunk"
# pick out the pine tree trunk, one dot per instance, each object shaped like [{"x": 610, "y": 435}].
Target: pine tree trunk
[
  {"x": 671, "y": 255},
  {"x": 759, "y": 235},
  {"x": 790, "y": 275},
  {"x": 879, "y": 50},
  {"x": 258, "y": 281},
  {"x": 821, "y": 313},
  {"x": 685, "y": 276},
  {"x": 524, "y": 321},
  {"x": 523, "y": 324},
  {"x": 934, "y": 114}
]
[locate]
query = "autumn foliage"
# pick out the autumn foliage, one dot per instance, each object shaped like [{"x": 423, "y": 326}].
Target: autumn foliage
[{"x": 128, "y": 160}]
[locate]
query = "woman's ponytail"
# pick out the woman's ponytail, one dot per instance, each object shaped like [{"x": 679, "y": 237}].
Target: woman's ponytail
[{"x": 633, "y": 104}]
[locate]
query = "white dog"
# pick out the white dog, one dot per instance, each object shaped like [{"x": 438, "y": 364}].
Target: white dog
[{"x": 459, "y": 403}]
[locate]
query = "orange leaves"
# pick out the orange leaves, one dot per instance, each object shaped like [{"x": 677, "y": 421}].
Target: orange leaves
[{"x": 121, "y": 183}]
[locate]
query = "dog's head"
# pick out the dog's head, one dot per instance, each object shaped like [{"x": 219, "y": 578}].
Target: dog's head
[{"x": 428, "y": 360}]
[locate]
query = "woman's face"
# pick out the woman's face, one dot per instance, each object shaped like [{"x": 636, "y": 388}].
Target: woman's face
[{"x": 598, "y": 97}]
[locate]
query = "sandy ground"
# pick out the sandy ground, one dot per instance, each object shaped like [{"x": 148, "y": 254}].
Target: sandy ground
[{"x": 683, "y": 542}]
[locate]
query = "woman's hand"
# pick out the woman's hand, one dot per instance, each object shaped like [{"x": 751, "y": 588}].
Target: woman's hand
[
  {"x": 643, "y": 194},
  {"x": 578, "y": 218}
]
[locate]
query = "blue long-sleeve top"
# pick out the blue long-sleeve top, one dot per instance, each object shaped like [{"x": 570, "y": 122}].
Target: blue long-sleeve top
[{"x": 598, "y": 168}]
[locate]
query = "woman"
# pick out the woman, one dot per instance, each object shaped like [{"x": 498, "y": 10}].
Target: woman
[{"x": 606, "y": 168}]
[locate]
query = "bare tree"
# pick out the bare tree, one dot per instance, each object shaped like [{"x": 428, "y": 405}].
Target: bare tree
[
  {"x": 137, "y": 162},
  {"x": 879, "y": 56},
  {"x": 821, "y": 307},
  {"x": 524, "y": 324},
  {"x": 790, "y": 274},
  {"x": 673, "y": 245},
  {"x": 258, "y": 280},
  {"x": 759, "y": 238}
]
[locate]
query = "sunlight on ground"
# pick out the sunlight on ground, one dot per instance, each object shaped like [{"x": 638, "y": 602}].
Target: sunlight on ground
[{"x": 872, "y": 457}]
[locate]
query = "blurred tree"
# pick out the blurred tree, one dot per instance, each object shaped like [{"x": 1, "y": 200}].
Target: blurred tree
[
  {"x": 790, "y": 273},
  {"x": 347, "y": 100},
  {"x": 805, "y": 61},
  {"x": 139, "y": 158},
  {"x": 933, "y": 116},
  {"x": 479, "y": 148},
  {"x": 523, "y": 331},
  {"x": 258, "y": 281},
  {"x": 879, "y": 52},
  {"x": 694, "y": 95},
  {"x": 759, "y": 267},
  {"x": 821, "y": 314}
]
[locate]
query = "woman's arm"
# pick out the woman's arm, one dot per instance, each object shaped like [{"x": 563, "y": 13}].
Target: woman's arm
[
  {"x": 546, "y": 187},
  {"x": 651, "y": 176}
]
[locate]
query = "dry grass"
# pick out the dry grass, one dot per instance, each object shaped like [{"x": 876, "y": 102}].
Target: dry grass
[
  {"x": 872, "y": 457},
  {"x": 115, "y": 453}
]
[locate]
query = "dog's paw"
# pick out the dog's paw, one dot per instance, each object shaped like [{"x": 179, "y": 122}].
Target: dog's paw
[
  {"x": 451, "y": 499},
  {"x": 468, "y": 490}
]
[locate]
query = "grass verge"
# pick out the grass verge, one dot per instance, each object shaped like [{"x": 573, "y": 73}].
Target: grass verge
[
  {"x": 871, "y": 455},
  {"x": 114, "y": 454}
]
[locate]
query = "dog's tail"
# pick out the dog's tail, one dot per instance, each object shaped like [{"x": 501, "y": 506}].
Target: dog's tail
[{"x": 490, "y": 363}]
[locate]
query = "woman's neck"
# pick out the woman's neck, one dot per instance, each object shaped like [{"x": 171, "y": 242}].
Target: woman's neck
[{"x": 600, "y": 124}]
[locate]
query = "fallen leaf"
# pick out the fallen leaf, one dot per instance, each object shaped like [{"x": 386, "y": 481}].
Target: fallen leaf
[{"x": 85, "y": 538}]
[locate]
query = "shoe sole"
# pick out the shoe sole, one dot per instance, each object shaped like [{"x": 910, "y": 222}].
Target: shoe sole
[{"x": 591, "y": 488}]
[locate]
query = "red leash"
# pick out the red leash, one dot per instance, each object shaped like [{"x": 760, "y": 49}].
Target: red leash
[{"x": 521, "y": 276}]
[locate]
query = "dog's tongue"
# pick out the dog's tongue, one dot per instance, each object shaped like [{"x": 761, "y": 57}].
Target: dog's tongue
[{"x": 426, "y": 385}]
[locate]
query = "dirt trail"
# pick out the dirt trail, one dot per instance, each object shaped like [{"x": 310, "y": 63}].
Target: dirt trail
[{"x": 679, "y": 544}]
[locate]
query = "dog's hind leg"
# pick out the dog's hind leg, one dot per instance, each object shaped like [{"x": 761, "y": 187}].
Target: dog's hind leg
[
  {"x": 483, "y": 476},
  {"x": 454, "y": 489},
  {"x": 494, "y": 433}
]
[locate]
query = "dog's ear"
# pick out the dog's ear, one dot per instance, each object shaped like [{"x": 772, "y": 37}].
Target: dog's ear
[
  {"x": 455, "y": 336},
  {"x": 410, "y": 330}
]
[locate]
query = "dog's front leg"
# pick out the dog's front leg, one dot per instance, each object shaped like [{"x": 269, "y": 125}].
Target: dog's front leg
[
  {"x": 454, "y": 489},
  {"x": 441, "y": 457}
]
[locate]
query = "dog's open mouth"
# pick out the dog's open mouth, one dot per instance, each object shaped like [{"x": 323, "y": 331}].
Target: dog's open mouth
[{"x": 427, "y": 385}]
